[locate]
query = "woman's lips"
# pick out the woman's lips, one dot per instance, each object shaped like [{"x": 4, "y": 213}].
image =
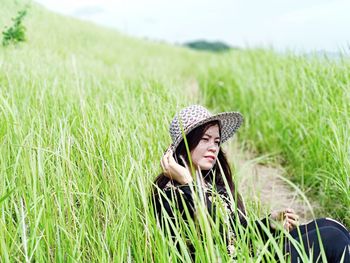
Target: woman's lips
[{"x": 212, "y": 158}]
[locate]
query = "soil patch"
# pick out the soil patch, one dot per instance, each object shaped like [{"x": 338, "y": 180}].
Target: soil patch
[{"x": 266, "y": 184}]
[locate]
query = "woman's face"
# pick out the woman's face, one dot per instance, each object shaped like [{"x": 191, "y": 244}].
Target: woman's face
[{"x": 206, "y": 152}]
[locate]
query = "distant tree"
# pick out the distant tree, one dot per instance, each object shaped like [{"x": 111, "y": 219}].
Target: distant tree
[
  {"x": 15, "y": 33},
  {"x": 216, "y": 46}
]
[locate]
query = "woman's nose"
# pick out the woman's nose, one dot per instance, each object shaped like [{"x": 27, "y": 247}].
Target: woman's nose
[{"x": 212, "y": 147}]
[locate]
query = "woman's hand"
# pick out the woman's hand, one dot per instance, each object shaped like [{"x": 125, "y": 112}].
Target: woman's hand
[
  {"x": 173, "y": 170},
  {"x": 288, "y": 218}
]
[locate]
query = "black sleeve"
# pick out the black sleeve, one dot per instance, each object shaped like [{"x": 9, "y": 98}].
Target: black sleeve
[
  {"x": 177, "y": 197},
  {"x": 260, "y": 226},
  {"x": 263, "y": 227}
]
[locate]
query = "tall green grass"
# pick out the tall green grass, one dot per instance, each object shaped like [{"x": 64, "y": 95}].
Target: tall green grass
[
  {"x": 296, "y": 108},
  {"x": 83, "y": 112}
]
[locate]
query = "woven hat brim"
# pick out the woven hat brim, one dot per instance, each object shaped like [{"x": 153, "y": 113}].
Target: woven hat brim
[{"x": 229, "y": 122}]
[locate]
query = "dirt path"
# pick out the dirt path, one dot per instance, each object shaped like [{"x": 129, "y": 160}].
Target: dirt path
[
  {"x": 266, "y": 183},
  {"x": 262, "y": 184}
]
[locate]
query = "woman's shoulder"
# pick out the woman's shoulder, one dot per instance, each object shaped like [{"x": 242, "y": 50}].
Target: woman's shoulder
[{"x": 166, "y": 184}]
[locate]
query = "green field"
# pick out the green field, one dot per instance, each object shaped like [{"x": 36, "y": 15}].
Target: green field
[
  {"x": 297, "y": 109},
  {"x": 84, "y": 122}
]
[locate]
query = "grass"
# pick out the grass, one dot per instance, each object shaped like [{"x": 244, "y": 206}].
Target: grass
[
  {"x": 83, "y": 110},
  {"x": 295, "y": 108}
]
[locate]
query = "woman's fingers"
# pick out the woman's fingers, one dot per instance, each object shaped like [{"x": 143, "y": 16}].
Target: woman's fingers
[
  {"x": 165, "y": 163},
  {"x": 293, "y": 219},
  {"x": 161, "y": 164},
  {"x": 169, "y": 164},
  {"x": 290, "y": 212},
  {"x": 293, "y": 222},
  {"x": 171, "y": 159},
  {"x": 290, "y": 224},
  {"x": 286, "y": 225},
  {"x": 292, "y": 215},
  {"x": 289, "y": 218}
]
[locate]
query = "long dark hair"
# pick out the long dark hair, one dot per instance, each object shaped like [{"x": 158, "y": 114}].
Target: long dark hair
[{"x": 217, "y": 174}]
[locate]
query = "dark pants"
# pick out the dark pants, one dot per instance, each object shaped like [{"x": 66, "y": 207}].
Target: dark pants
[{"x": 335, "y": 241}]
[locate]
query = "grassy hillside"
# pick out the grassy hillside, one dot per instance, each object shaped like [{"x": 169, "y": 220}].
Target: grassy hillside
[
  {"x": 296, "y": 109},
  {"x": 83, "y": 112}
]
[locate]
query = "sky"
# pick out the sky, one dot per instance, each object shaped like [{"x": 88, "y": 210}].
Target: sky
[{"x": 297, "y": 25}]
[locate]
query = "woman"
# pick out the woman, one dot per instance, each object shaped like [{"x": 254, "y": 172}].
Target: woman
[{"x": 175, "y": 188}]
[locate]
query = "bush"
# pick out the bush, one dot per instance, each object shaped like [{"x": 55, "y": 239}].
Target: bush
[
  {"x": 16, "y": 33},
  {"x": 208, "y": 46}
]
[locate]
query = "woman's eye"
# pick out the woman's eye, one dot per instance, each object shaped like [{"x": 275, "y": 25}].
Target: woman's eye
[{"x": 205, "y": 139}]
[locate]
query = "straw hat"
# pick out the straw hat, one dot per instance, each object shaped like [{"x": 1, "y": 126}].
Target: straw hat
[{"x": 195, "y": 115}]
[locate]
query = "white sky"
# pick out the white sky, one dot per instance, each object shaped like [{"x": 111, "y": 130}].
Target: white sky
[{"x": 300, "y": 25}]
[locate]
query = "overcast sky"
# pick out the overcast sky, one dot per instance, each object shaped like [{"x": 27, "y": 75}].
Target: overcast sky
[{"x": 300, "y": 25}]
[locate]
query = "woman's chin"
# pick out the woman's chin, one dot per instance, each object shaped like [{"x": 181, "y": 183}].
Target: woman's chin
[{"x": 206, "y": 167}]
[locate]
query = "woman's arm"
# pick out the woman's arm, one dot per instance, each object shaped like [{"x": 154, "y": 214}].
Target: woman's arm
[
  {"x": 171, "y": 199},
  {"x": 277, "y": 220}
]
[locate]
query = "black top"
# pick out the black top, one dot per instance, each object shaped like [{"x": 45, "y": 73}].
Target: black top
[{"x": 214, "y": 198}]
